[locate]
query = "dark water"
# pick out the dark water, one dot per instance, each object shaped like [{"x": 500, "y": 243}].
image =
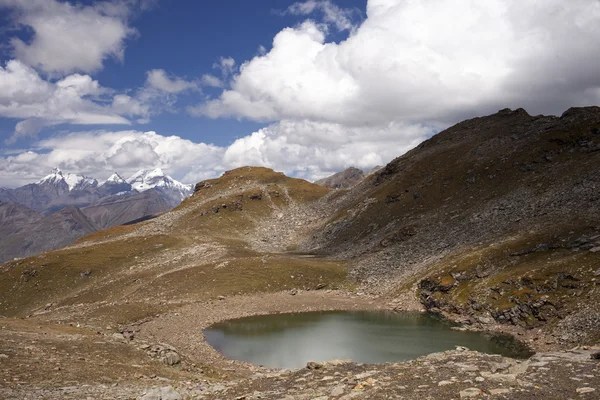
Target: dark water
[{"x": 291, "y": 340}]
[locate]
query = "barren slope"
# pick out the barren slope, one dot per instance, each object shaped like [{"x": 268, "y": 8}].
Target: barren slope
[{"x": 493, "y": 221}]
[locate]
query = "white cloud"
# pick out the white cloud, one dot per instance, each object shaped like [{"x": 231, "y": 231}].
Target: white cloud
[
  {"x": 100, "y": 153},
  {"x": 79, "y": 99},
  {"x": 211, "y": 80},
  {"x": 158, "y": 79},
  {"x": 341, "y": 18},
  {"x": 316, "y": 149},
  {"x": 424, "y": 60},
  {"x": 301, "y": 148},
  {"x": 38, "y": 103},
  {"x": 226, "y": 65},
  {"x": 70, "y": 38}
]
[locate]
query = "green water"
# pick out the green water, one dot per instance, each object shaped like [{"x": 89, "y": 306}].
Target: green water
[{"x": 291, "y": 340}]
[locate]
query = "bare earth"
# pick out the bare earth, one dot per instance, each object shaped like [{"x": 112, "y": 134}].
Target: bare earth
[{"x": 49, "y": 361}]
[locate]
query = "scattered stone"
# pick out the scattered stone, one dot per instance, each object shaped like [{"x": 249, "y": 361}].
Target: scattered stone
[
  {"x": 293, "y": 292},
  {"x": 337, "y": 363},
  {"x": 444, "y": 383},
  {"x": 337, "y": 391},
  {"x": 163, "y": 393},
  {"x": 462, "y": 348},
  {"x": 585, "y": 390},
  {"x": 171, "y": 358},
  {"x": 118, "y": 336},
  {"x": 314, "y": 365},
  {"x": 499, "y": 377},
  {"x": 470, "y": 392},
  {"x": 499, "y": 391},
  {"x": 221, "y": 298},
  {"x": 3, "y": 356}
]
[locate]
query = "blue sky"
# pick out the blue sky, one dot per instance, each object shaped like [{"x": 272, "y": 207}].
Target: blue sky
[
  {"x": 186, "y": 38},
  {"x": 305, "y": 87}
]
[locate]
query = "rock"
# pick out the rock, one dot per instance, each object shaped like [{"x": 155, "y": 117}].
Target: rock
[
  {"x": 500, "y": 367},
  {"x": 163, "y": 393},
  {"x": 171, "y": 358},
  {"x": 595, "y": 356},
  {"x": 221, "y": 298},
  {"x": 444, "y": 383},
  {"x": 118, "y": 336},
  {"x": 595, "y": 249},
  {"x": 499, "y": 377},
  {"x": 85, "y": 274},
  {"x": 585, "y": 390},
  {"x": 293, "y": 292},
  {"x": 499, "y": 391},
  {"x": 314, "y": 365},
  {"x": 337, "y": 363},
  {"x": 480, "y": 379},
  {"x": 337, "y": 391},
  {"x": 470, "y": 393},
  {"x": 462, "y": 348},
  {"x": 3, "y": 356}
]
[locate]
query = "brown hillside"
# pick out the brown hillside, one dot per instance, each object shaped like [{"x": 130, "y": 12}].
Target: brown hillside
[
  {"x": 495, "y": 222},
  {"x": 501, "y": 214}
]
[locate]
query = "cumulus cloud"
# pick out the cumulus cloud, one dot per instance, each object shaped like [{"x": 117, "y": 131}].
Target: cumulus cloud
[
  {"x": 226, "y": 65},
  {"x": 313, "y": 150},
  {"x": 211, "y": 81},
  {"x": 423, "y": 60},
  {"x": 70, "y": 38},
  {"x": 38, "y": 103},
  {"x": 306, "y": 149},
  {"x": 158, "y": 79},
  {"x": 341, "y": 18},
  {"x": 100, "y": 153}
]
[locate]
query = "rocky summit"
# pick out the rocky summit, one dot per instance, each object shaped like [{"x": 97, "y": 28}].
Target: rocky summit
[{"x": 493, "y": 223}]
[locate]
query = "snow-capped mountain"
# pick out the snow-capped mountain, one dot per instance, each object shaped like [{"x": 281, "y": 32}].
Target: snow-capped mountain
[
  {"x": 115, "y": 185},
  {"x": 59, "y": 189},
  {"x": 73, "y": 181},
  {"x": 62, "y": 207},
  {"x": 174, "y": 191}
]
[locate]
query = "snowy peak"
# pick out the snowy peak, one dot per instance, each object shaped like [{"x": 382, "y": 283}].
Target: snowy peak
[
  {"x": 55, "y": 177},
  {"x": 78, "y": 181},
  {"x": 156, "y": 179},
  {"x": 148, "y": 179},
  {"x": 73, "y": 181},
  {"x": 114, "y": 178}
]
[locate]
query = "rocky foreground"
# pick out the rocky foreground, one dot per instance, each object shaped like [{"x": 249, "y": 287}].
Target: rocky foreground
[{"x": 457, "y": 374}]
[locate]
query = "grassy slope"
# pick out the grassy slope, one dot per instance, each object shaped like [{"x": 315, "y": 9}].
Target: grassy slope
[{"x": 198, "y": 252}]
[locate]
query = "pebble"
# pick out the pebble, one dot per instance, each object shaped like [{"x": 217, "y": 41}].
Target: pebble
[
  {"x": 470, "y": 392},
  {"x": 337, "y": 391},
  {"x": 585, "y": 390}
]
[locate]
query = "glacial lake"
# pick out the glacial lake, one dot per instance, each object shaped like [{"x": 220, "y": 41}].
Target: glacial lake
[{"x": 291, "y": 340}]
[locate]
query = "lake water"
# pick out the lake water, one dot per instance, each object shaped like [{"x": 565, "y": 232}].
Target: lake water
[{"x": 291, "y": 340}]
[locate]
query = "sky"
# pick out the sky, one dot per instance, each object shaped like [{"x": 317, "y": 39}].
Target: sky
[{"x": 308, "y": 88}]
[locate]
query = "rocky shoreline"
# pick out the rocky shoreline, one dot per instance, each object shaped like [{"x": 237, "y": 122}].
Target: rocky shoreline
[{"x": 174, "y": 340}]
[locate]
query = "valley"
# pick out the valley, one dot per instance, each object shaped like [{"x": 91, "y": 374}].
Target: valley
[{"x": 494, "y": 223}]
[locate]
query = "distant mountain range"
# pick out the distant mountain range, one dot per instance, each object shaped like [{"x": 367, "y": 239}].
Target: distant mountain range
[{"x": 62, "y": 207}]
